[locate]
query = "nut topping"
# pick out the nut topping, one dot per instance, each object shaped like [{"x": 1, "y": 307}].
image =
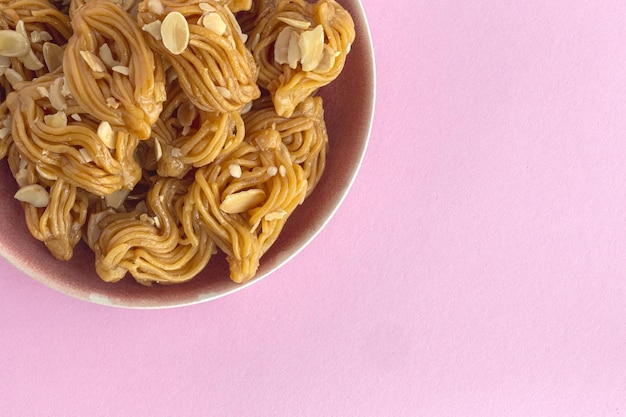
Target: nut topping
[
  {"x": 13, "y": 44},
  {"x": 93, "y": 61},
  {"x": 106, "y": 133},
  {"x": 175, "y": 32},
  {"x": 311, "y": 46},
  {"x": 33, "y": 194},
  {"x": 242, "y": 201}
]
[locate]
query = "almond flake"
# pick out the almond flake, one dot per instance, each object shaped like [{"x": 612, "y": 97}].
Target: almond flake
[
  {"x": 5, "y": 61},
  {"x": 281, "y": 45},
  {"x": 246, "y": 107},
  {"x": 298, "y": 24},
  {"x": 33, "y": 194},
  {"x": 43, "y": 91},
  {"x": 93, "y": 61},
  {"x": 275, "y": 215},
  {"x": 56, "y": 120},
  {"x": 282, "y": 170},
  {"x": 255, "y": 41},
  {"x": 328, "y": 60},
  {"x": 65, "y": 89},
  {"x": 144, "y": 217},
  {"x": 186, "y": 113},
  {"x": 235, "y": 170},
  {"x": 21, "y": 177},
  {"x": 107, "y": 56},
  {"x": 175, "y": 32},
  {"x": 242, "y": 201},
  {"x": 13, "y": 44},
  {"x": 311, "y": 46},
  {"x": 112, "y": 103},
  {"x": 12, "y": 76},
  {"x": 293, "y": 51},
  {"x": 158, "y": 150},
  {"x": 206, "y": 7},
  {"x": 56, "y": 96},
  {"x": 214, "y": 22},
  {"x": 76, "y": 117},
  {"x": 153, "y": 28},
  {"x": 84, "y": 153},
  {"x": 155, "y": 6},
  {"x": 122, "y": 69},
  {"x": 37, "y": 36},
  {"x": 225, "y": 92},
  {"x": 106, "y": 134},
  {"x": 45, "y": 174},
  {"x": 115, "y": 199},
  {"x": 30, "y": 61},
  {"x": 271, "y": 171},
  {"x": 53, "y": 56}
]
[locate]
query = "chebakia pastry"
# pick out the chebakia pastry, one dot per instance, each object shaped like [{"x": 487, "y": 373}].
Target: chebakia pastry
[
  {"x": 162, "y": 133},
  {"x": 299, "y": 47}
]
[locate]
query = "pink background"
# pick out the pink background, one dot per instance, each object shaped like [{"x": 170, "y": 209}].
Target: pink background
[{"x": 476, "y": 268}]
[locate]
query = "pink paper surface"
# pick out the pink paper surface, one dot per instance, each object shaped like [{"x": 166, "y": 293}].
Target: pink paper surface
[{"x": 476, "y": 268}]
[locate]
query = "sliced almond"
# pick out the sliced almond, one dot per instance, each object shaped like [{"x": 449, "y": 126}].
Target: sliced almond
[
  {"x": 214, "y": 22},
  {"x": 145, "y": 217},
  {"x": 328, "y": 60},
  {"x": 281, "y": 45},
  {"x": 153, "y": 28},
  {"x": 56, "y": 120},
  {"x": 175, "y": 32},
  {"x": 13, "y": 44},
  {"x": 106, "y": 55},
  {"x": 56, "y": 95},
  {"x": 224, "y": 92},
  {"x": 45, "y": 173},
  {"x": 272, "y": 171},
  {"x": 37, "y": 36},
  {"x": 106, "y": 134},
  {"x": 76, "y": 117},
  {"x": 158, "y": 150},
  {"x": 5, "y": 61},
  {"x": 235, "y": 170},
  {"x": 311, "y": 47},
  {"x": 155, "y": 6},
  {"x": 275, "y": 215},
  {"x": 31, "y": 61},
  {"x": 112, "y": 103},
  {"x": 122, "y": 69},
  {"x": 293, "y": 51},
  {"x": 206, "y": 7},
  {"x": 33, "y": 194},
  {"x": 242, "y": 201},
  {"x": 298, "y": 24},
  {"x": 186, "y": 113},
  {"x": 65, "y": 88},
  {"x": 21, "y": 177},
  {"x": 117, "y": 198},
  {"x": 93, "y": 61},
  {"x": 255, "y": 41},
  {"x": 84, "y": 153},
  {"x": 246, "y": 107},
  {"x": 282, "y": 170},
  {"x": 42, "y": 91}
]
